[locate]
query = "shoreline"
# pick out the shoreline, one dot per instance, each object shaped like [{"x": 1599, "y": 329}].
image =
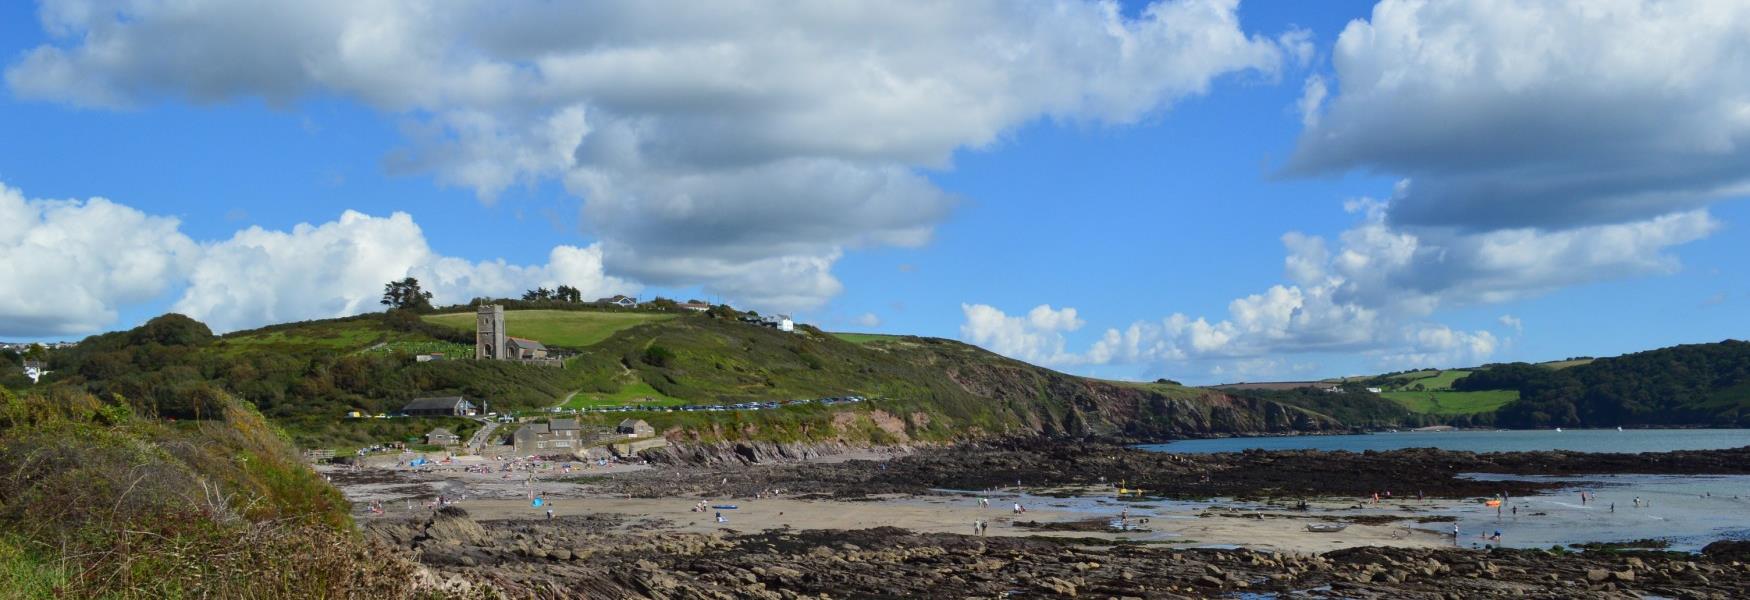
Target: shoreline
[{"x": 793, "y": 523}]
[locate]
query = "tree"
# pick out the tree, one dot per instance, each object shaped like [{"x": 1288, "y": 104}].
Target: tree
[
  {"x": 566, "y": 293},
  {"x": 406, "y": 294},
  {"x": 538, "y": 294}
]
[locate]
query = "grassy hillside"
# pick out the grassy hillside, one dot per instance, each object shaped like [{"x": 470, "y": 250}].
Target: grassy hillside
[
  {"x": 565, "y": 328},
  {"x": 1453, "y": 403},
  {"x": 306, "y": 376},
  {"x": 103, "y": 503},
  {"x": 1430, "y": 392}
]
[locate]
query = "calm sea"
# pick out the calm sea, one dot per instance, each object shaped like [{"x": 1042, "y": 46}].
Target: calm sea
[{"x": 1585, "y": 440}]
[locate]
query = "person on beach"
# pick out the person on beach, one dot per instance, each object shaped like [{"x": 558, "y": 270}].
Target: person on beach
[
  {"x": 1455, "y": 538},
  {"x": 720, "y": 518},
  {"x": 1613, "y": 507}
]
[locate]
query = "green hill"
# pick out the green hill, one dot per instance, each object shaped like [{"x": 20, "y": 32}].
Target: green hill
[
  {"x": 1695, "y": 384},
  {"x": 306, "y": 376}
]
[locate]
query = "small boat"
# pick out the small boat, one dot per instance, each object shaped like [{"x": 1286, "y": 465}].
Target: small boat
[
  {"x": 1619, "y": 429},
  {"x": 1326, "y": 527},
  {"x": 1558, "y": 430},
  {"x": 724, "y": 506}
]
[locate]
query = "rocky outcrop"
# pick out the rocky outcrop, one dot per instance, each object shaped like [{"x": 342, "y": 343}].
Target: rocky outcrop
[{"x": 753, "y": 452}]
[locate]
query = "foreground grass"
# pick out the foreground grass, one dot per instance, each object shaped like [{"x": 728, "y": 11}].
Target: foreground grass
[
  {"x": 102, "y": 503},
  {"x": 1453, "y": 403},
  {"x": 567, "y": 328}
]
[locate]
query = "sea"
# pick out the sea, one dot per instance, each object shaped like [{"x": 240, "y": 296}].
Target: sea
[
  {"x": 1579, "y": 440},
  {"x": 1684, "y": 511}
]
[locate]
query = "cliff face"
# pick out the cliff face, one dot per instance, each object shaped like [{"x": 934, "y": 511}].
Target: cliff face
[{"x": 1063, "y": 405}]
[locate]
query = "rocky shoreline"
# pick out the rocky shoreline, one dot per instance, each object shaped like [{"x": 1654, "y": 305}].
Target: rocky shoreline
[
  {"x": 631, "y": 548},
  {"x": 1245, "y": 475},
  {"x": 585, "y": 557}
]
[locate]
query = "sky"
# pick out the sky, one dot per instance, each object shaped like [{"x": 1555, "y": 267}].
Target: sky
[{"x": 1202, "y": 190}]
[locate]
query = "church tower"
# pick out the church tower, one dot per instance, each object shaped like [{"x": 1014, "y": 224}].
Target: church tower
[{"x": 489, "y": 333}]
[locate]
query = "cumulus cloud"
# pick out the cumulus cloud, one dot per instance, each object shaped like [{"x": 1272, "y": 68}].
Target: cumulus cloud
[
  {"x": 1036, "y": 337},
  {"x": 338, "y": 268},
  {"x": 1372, "y": 291},
  {"x": 1545, "y": 115},
  {"x": 69, "y": 265},
  {"x": 742, "y": 147}
]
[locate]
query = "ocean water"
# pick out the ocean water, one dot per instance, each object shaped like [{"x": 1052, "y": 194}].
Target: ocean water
[
  {"x": 1581, "y": 440},
  {"x": 1687, "y": 511}
]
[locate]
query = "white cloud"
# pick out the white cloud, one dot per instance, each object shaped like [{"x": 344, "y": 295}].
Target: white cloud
[
  {"x": 1371, "y": 292},
  {"x": 1512, "y": 322},
  {"x": 868, "y": 319},
  {"x": 1037, "y": 337},
  {"x": 338, "y": 268},
  {"x": 68, "y": 265},
  {"x": 1540, "y": 114},
  {"x": 710, "y": 142}
]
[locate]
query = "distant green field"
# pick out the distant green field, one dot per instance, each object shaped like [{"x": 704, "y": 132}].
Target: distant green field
[
  {"x": 634, "y": 393},
  {"x": 1416, "y": 374},
  {"x": 1563, "y": 364},
  {"x": 1437, "y": 380},
  {"x": 567, "y": 328},
  {"x": 864, "y": 338},
  {"x": 1453, "y": 403}
]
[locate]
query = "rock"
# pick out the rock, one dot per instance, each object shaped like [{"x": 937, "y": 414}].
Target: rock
[
  {"x": 1058, "y": 585},
  {"x": 1624, "y": 575},
  {"x": 1634, "y": 562},
  {"x": 1209, "y": 581},
  {"x": 1597, "y": 575}
]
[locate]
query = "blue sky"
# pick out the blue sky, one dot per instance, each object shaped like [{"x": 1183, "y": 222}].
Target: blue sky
[{"x": 1513, "y": 212}]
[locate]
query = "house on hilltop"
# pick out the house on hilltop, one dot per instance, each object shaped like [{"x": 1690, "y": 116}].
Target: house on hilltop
[
  {"x": 695, "y": 306},
  {"x": 619, "y": 300},
  {"x": 450, "y": 406}
]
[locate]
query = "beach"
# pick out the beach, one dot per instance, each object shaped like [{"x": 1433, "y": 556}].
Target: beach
[{"x": 883, "y": 498}]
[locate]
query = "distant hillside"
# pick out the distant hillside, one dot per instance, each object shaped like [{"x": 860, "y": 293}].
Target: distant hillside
[
  {"x": 1696, "y": 384},
  {"x": 306, "y": 376}
]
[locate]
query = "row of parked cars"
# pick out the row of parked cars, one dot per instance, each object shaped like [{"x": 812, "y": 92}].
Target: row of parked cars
[{"x": 767, "y": 405}]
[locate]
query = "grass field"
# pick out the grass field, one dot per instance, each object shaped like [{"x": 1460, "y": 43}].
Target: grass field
[
  {"x": 567, "y": 328},
  {"x": 634, "y": 393},
  {"x": 1437, "y": 380},
  {"x": 1453, "y": 403},
  {"x": 1563, "y": 364},
  {"x": 864, "y": 338}
]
